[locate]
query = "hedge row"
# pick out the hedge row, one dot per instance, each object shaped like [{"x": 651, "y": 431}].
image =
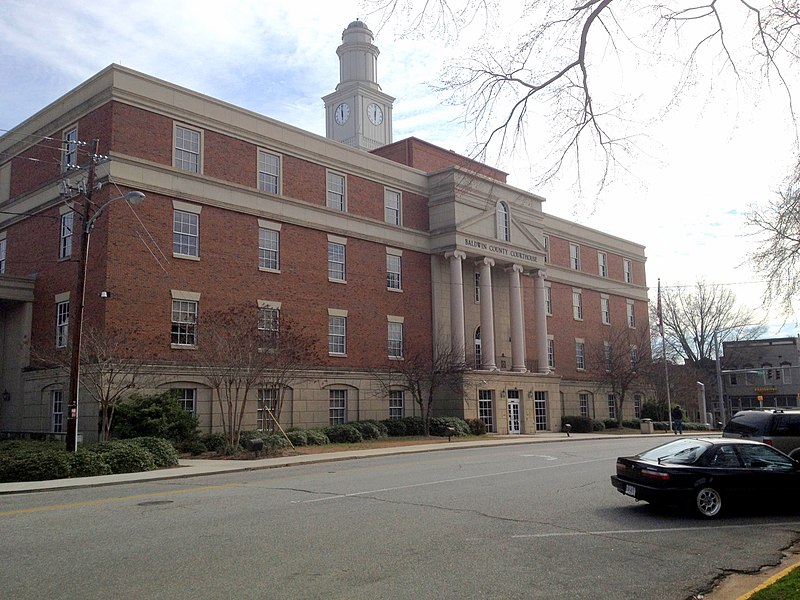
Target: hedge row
[
  {"x": 587, "y": 425},
  {"x": 37, "y": 461}
]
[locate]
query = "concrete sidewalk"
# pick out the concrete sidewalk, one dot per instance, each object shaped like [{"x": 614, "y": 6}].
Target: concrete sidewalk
[{"x": 197, "y": 467}]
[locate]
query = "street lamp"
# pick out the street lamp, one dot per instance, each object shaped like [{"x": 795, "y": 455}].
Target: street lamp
[{"x": 133, "y": 197}]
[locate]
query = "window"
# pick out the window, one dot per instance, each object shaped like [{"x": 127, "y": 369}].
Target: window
[
  {"x": 395, "y": 339},
  {"x": 187, "y": 149},
  {"x": 607, "y": 356},
  {"x": 267, "y": 403},
  {"x": 396, "y": 404},
  {"x": 634, "y": 356},
  {"x": 546, "y": 244},
  {"x": 337, "y": 334},
  {"x": 187, "y": 398},
  {"x": 548, "y": 299},
  {"x": 605, "y": 310},
  {"x": 336, "y": 191},
  {"x": 575, "y": 257},
  {"x": 785, "y": 367},
  {"x": 57, "y": 404},
  {"x": 269, "y": 172},
  {"x": 336, "y": 261},
  {"x": 391, "y": 203},
  {"x": 485, "y": 413},
  {"x": 631, "y": 314},
  {"x": 185, "y": 233},
  {"x": 184, "y": 322},
  {"x": 2, "y": 255},
  {"x": 503, "y": 230},
  {"x": 269, "y": 324},
  {"x": 551, "y": 353},
  {"x": 477, "y": 343},
  {"x": 269, "y": 241},
  {"x": 612, "y": 406},
  {"x": 477, "y": 288},
  {"x": 62, "y": 322},
  {"x": 580, "y": 355},
  {"x": 602, "y": 264},
  {"x": 65, "y": 238},
  {"x": 627, "y": 270},
  {"x": 540, "y": 410},
  {"x": 70, "y": 149},
  {"x": 577, "y": 305},
  {"x": 394, "y": 279},
  {"x": 637, "y": 406},
  {"x": 583, "y": 404},
  {"x": 732, "y": 379},
  {"x": 337, "y": 402}
]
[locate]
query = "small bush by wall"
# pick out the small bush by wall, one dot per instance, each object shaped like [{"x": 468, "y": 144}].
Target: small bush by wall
[
  {"x": 439, "y": 426},
  {"x": 124, "y": 457},
  {"x": 164, "y": 453},
  {"x": 316, "y": 437},
  {"x": 579, "y": 424},
  {"x": 476, "y": 426},
  {"x": 343, "y": 434},
  {"x": 298, "y": 437}
]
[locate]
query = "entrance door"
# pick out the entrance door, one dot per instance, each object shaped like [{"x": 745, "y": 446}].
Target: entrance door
[{"x": 513, "y": 411}]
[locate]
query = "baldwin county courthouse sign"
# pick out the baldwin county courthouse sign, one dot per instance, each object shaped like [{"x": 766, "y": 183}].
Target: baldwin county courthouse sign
[{"x": 495, "y": 250}]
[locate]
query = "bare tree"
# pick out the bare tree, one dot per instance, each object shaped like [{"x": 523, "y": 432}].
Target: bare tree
[
  {"x": 777, "y": 257},
  {"x": 108, "y": 373},
  {"x": 558, "y": 56},
  {"x": 425, "y": 374},
  {"x": 238, "y": 353},
  {"x": 619, "y": 362},
  {"x": 697, "y": 319}
]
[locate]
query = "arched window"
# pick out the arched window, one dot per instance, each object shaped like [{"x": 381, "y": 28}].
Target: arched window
[
  {"x": 478, "y": 359},
  {"x": 503, "y": 232}
]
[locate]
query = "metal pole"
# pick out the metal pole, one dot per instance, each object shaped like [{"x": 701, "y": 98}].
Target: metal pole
[{"x": 719, "y": 383}]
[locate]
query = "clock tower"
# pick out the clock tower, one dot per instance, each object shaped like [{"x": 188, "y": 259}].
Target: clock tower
[{"x": 358, "y": 113}]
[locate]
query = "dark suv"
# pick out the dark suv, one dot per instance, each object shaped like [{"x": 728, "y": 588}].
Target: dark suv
[{"x": 778, "y": 428}]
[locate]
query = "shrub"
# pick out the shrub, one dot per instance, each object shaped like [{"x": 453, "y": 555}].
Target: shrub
[
  {"x": 214, "y": 442},
  {"x": 598, "y": 426},
  {"x": 273, "y": 443},
  {"x": 35, "y": 462},
  {"x": 368, "y": 429},
  {"x": 124, "y": 457},
  {"x": 610, "y": 424},
  {"x": 395, "y": 427},
  {"x": 164, "y": 453},
  {"x": 439, "y": 426},
  {"x": 298, "y": 437},
  {"x": 84, "y": 463},
  {"x": 476, "y": 426},
  {"x": 343, "y": 434},
  {"x": 154, "y": 416},
  {"x": 632, "y": 424},
  {"x": 317, "y": 437},
  {"x": 414, "y": 425},
  {"x": 579, "y": 424},
  {"x": 657, "y": 411}
]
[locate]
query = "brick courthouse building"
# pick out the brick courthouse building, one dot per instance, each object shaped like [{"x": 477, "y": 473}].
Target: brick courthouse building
[{"x": 369, "y": 243}]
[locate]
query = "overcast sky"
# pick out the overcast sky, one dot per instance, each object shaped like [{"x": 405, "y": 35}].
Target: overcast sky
[{"x": 697, "y": 170}]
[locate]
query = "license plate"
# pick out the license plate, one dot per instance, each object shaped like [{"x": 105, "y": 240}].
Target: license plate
[{"x": 630, "y": 490}]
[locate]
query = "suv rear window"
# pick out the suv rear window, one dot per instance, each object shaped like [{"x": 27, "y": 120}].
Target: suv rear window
[
  {"x": 787, "y": 424},
  {"x": 749, "y": 423}
]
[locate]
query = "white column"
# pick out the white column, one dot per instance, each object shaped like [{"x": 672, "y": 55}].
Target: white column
[
  {"x": 540, "y": 309},
  {"x": 487, "y": 316},
  {"x": 517, "y": 328},
  {"x": 457, "y": 339}
]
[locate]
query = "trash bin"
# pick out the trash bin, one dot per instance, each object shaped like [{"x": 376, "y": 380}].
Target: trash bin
[{"x": 647, "y": 425}]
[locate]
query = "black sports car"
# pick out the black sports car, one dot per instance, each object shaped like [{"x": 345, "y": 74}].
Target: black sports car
[{"x": 708, "y": 474}]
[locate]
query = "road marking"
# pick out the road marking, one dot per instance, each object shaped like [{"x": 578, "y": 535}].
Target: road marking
[
  {"x": 443, "y": 481},
  {"x": 22, "y": 511},
  {"x": 544, "y": 456},
  {"x": 650, "y": 530}
]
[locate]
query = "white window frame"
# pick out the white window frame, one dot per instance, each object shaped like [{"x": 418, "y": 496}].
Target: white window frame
[
  {"x": 637, "y": 406},
  {"x": 70, "y": 141},
  {"x": 612, "y": 406},
  {"x": 629, "y": 307},
  {"x": 605, "y": 309},
  {"x": 395, "y": 337},
  {"x": 477, "y": 279},
  {"x": 337, "y": 332},
  {"x": 574, "y": 256},
  {"x": 551, "y": 352},
  {"x": 2, "y": 253},
  {"x": 337, "y": 407},
  {"x": 185, "y": 233},
  {"x": 183, "y": 331},
  {"x": 188, "y": 149},
  {"x": 269, "y": 172},
  {"x": 337, "y": 261},
  {"x": 394, "y": 270},
  {"x": 269, "y": 247},
  {"x": 392, "y": 204},
  {"x": 397, "y": 404},
  {"x": 577, "y": 304},
  {"x": 503, "y": 222},
  {"x": 266, "y": 402},
  {"x": 62, "y": 322},
  {"x": 269, "y": 321},
  {"x": 65, "y": 234},
  {"x": 548, "y": 299},
  {"x": 627, "y": 270},
  {"x": 336, "y": 191},
  {"x": 187, "y": 398},
  {"x": 57, "y": 411},
  {"x": 486, "y": 409},
  {"x": 602, "y": 264},
  {"x": 583, "y": 404},
  {"x": 634, "y": 354},
  {"x": 580, "y": 355},
  {"x": 546, "y": 244}
]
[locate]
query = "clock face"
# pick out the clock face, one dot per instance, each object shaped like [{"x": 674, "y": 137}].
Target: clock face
[
  {"x": 342, "y": 113},
  {"x": 375, "y": 114}
]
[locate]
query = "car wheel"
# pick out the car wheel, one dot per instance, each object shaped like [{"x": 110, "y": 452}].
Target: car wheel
[{"x": 707, "y": 502}]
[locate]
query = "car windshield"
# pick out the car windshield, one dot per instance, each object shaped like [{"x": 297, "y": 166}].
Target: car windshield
[{"x": 679, "y": 452}]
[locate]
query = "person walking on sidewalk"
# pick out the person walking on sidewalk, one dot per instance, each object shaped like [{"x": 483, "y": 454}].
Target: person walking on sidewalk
[{"x": 677, "y": 419}]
